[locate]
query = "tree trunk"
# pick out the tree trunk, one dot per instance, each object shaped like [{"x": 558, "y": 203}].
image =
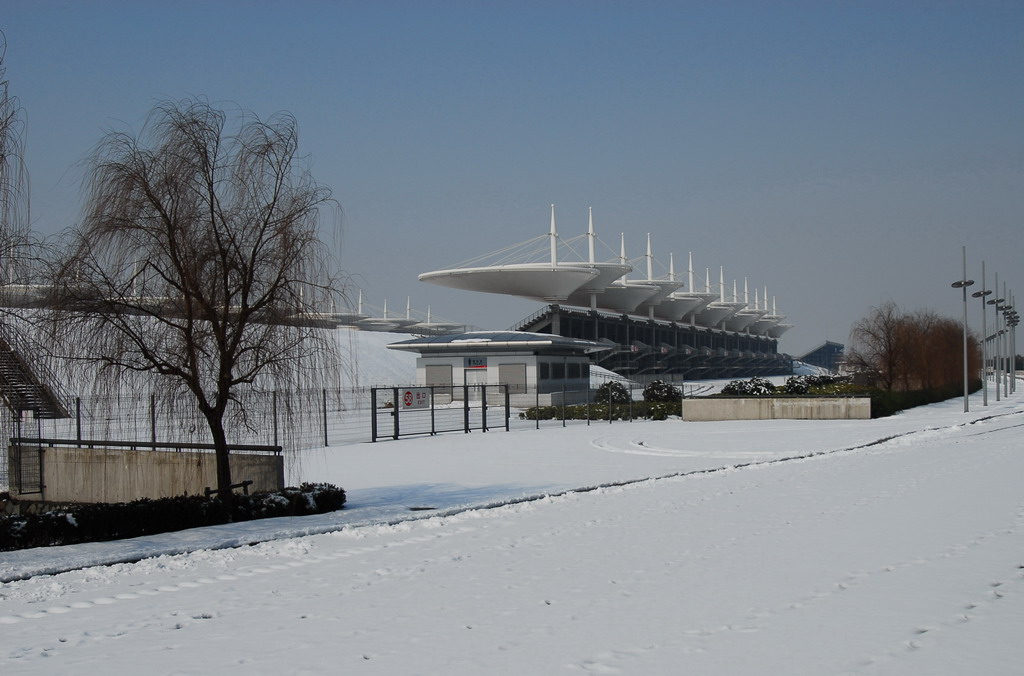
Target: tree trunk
[{"x": 220, "y": 444}]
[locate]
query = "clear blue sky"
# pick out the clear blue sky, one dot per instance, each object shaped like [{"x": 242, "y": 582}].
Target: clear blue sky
[{"x": 838, "y": 152}]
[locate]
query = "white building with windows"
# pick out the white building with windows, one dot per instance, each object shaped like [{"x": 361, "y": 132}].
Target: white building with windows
[{"x": 537, "y": 367}]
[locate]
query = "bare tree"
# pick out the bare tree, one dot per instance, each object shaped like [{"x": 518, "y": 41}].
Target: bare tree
[
  {"x": 197, "y": 258},
  {"x": 14, "y": 203},
  {"x": 877, "y": 346},
  {"x": 910, "y": 351}
]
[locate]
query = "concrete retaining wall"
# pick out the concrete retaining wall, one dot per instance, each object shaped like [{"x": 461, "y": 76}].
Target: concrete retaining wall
[
  {"x": 768, "y": 408},
  {"x": 117, "y": 475}
]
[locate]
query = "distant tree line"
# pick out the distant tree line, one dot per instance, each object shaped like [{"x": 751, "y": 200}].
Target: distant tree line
[{"x": 903, "y": 351}]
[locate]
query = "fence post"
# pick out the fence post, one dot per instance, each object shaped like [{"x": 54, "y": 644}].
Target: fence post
[
  {"x": 78, "y": 420},
  {"x": 273, "y": 414},
  {"x": 152, "y": 418},
  {"x": 563, "y": 405},
  {"x": 536, "y": 408},
  {"x": 373, "y": 414},
  {"x": 465, "y": 408},
  {"x": 483, "y": 407},
  {"x": 508, "y": 402},
  {"x": 394, "y": 409},
  {"x": 433, "y": 428},
  {"x": 324, "y": 392}
]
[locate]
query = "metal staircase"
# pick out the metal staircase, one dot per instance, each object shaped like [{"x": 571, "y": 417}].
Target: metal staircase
[{"x": 21, "y": 386}]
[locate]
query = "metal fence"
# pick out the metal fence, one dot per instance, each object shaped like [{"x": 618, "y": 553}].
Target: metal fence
[
  {"x": 405, "y": 411},
  {"x": 303, "y": 419}
]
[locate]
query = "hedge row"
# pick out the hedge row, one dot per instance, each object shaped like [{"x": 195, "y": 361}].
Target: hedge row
[
  {"x": 654, "y": 410},
  {"x": 888, "y": 403},
  {"x": 882, "y": 403},
  {"x": 114, "y": 521}
]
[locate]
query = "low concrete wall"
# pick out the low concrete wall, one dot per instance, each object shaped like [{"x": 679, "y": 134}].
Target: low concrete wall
[
  {"x": 768, "y": 408},
  {"x": 72, "y": 474}
]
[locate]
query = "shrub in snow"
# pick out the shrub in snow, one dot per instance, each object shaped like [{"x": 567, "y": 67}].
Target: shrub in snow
[
  {"x": 637, "y": 410},
  {"x": 99, "y": 522},
  {"x": 755, "y": 387},
  {"x": 811, "y": 383},
  {"x": 660, "y": 391},
  {"x": 612, "y": 392}
]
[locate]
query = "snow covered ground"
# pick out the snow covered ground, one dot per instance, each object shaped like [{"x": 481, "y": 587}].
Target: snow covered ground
[{"x": 889, "y": 546}]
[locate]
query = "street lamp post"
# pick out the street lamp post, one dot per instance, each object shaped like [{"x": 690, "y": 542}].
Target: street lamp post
[
  {"x": 1004, "y": 336},
  {"x": 996, "y": 364},
  {"x": 1010, "y": 321},
  {"x": 984, "y": 335},
  {"x": 962, "y": 284},
  {"x": 1006, "y": 310},
  {"x": 1014, "y": 320}
]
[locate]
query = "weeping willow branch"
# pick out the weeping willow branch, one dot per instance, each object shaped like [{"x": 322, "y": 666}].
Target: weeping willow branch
[{"x": 197, "y": 257}]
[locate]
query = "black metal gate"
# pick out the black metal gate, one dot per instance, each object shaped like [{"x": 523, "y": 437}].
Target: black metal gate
[
  {"x": 432, "y": 409},
  {"x": 26, "y": 460}
]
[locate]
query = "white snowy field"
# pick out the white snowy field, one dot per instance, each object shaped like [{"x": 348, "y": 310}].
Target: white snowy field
[{"x": 890, "y": 546}]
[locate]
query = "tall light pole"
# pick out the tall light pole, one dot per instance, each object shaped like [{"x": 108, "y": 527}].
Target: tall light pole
[
  {"x": 984, "y": 336},
  {"x": 962, "y": 284},
  {"x": 1009, "y": 321},
  {"x": 1005, "y": 309},
  {"x": 995, "y": 336},
  {"x": 1014, "y": 320},
  {"x": 1003, "y": 341}
]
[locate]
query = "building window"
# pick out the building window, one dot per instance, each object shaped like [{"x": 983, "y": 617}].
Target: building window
[{"x": 513, "y": 375}]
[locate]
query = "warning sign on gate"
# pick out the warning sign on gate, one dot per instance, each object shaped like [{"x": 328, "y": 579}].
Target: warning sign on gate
[{"x": 415, "y": 397}]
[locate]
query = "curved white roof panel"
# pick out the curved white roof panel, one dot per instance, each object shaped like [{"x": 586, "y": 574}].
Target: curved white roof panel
[
  {"x": 675, "y": 307},
  {"x": 625, "y": 297},
  {"x": 665, "y": 289},
  {"x": 377, "y": 324},
  {"x": 498, "y": 341},
  {"x": 762, "y": 325},
  {"x": 606, "y": 274},
  {"x": 701, "y": 300},
  {"x": 743, "y": 319},
  {"x": 533, "y": 280},
  {"x": 715, "y": 312}
]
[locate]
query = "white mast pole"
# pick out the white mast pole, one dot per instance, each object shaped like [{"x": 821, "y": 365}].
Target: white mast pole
[
  {"x": 650, "y": 259},
  {"x": 593, "y": 257},
  {"x": 554, "y": 239},
  {"x": 622, "y": 255},
  {"x": 590, "y": 235}
]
